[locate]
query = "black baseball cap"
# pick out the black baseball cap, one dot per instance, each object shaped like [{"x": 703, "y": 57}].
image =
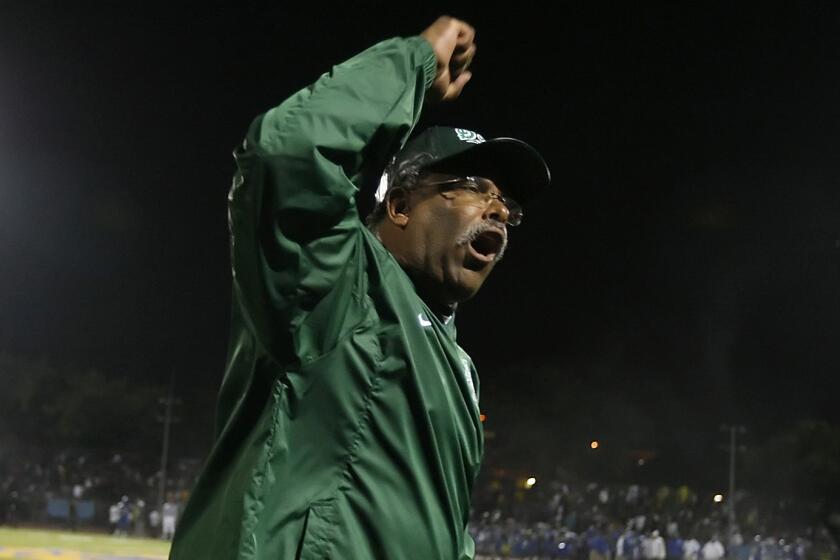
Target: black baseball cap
[{"x": 518, "y": 168}]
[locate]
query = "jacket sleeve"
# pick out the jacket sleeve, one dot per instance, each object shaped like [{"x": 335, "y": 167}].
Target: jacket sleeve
[{"x": 292, "y": 209}]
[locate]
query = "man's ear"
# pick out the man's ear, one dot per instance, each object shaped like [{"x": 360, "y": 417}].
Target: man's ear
[{"x": 397, "y": 207}]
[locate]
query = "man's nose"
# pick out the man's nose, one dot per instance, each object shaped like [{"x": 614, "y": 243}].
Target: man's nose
[{"x": 496, "y": 210}]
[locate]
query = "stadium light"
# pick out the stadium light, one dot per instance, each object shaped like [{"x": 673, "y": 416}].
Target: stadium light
[
  {"x": 530, "y": 482},
  {"x": 718, "y": 498}
]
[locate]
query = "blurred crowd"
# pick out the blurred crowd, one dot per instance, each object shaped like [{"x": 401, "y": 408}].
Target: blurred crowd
[
  {"x": 526, "y": 518},
  {"x": 512, "y": 517},
  {"x": 83, "y": 489}
]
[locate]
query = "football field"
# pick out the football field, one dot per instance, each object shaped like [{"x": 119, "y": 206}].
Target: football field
[{"x": 33, "y": 544}]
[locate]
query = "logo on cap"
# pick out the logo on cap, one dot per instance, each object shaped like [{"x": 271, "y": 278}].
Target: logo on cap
[{"x": 469, "y": 136}]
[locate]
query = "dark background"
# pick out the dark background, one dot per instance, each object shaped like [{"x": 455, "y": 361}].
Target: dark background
[{"x": 682, "y": 272}]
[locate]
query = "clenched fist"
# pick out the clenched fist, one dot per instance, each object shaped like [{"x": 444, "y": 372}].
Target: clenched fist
[{"x": 453, "y": 41}]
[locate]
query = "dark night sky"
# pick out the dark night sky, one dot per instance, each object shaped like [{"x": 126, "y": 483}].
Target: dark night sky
[{"x": 683, "y": 270}]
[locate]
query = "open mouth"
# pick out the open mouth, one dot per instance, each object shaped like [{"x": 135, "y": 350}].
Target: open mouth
[{"x": 487, "y": 245}]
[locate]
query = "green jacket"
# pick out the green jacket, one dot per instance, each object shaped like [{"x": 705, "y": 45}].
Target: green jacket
[{"x": 348, "y": 422}]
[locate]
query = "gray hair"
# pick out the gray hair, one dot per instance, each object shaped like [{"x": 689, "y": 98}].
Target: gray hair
[{"x": 400, "y": 173}]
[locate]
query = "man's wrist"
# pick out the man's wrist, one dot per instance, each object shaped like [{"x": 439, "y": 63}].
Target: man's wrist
[{"x": 428, "y": 60}]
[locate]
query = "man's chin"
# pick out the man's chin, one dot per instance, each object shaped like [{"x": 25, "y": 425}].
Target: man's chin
[{"x": 466, "y": 284}]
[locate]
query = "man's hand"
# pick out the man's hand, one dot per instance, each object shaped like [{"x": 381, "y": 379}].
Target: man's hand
[{"x": 453, "y": 43}]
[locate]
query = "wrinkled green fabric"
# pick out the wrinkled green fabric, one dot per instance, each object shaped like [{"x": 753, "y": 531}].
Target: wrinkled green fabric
[{"x": 348, "y": 424}]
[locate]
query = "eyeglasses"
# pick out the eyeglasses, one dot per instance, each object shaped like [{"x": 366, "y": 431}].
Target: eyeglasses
[{"x": 481, "y": 191}]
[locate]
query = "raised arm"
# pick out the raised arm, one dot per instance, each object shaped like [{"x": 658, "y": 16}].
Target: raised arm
[{"x": 293, "y": 215}]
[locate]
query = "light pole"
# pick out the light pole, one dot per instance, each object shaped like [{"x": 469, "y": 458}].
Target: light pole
[
  {"x": 733, "y": 430},
  {"x": 167, "y": 419}
]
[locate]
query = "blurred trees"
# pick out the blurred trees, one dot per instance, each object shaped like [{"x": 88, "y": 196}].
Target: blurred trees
[
  {"x": 801, "y": 465},
  {"x": 802, "y": 461},
  {"x": 54, "y": 407}
]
